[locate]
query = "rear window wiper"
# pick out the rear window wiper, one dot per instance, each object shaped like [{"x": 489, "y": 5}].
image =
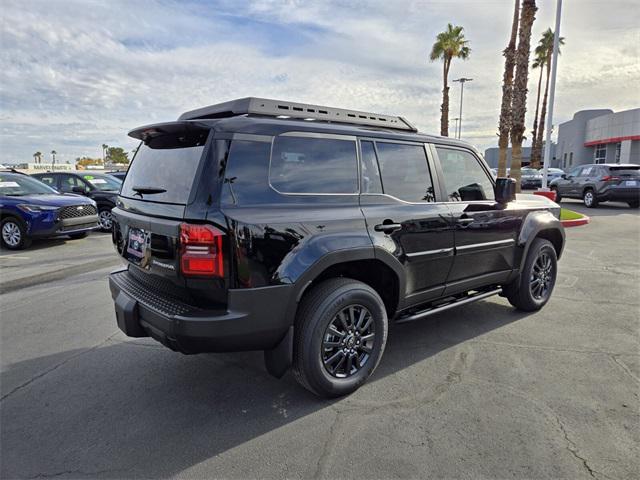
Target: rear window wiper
[{"x": 147, "y": 190}]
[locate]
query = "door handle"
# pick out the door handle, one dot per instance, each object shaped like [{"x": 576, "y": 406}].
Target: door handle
[
  {"x": 387, "y": 227},
  {"x": 464, "y": 221}
]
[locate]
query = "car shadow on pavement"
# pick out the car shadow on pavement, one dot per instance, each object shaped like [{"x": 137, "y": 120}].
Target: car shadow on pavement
[{"x": 136, "y": 409}]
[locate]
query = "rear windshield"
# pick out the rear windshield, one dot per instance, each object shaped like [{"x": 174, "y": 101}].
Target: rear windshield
[
  {"x": 166, "y": 163},
  {"x": 626, "y": 170}
]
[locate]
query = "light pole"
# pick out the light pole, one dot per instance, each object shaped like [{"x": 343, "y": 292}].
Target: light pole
[
  {"x": 457, "y": 119},
  {"x": 462, "y": 81},
  {"x": 552, "y": 93}
]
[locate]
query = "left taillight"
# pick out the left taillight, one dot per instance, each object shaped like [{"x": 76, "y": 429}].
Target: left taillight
[{"x": 201, "y": 251}]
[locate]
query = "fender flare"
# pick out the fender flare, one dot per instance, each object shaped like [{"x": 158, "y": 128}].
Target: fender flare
[{"x": 535, "y": 223}]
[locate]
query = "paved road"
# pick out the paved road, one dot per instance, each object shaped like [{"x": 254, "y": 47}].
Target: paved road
[{"x": 481, "y": 391}]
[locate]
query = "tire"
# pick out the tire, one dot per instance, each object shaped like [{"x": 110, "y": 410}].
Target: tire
[
  {"x": 78, "y": 236},
  {"x": 635, "y": 204},
  {"x": 14, "y": 234},
  {"x": 317, "y": 351},
  {"x": 589, "y": 198},
  {"x": 558, "y": 197},
  {"x": 105, "y": 219},
  {"x": 525, "y": 293}
]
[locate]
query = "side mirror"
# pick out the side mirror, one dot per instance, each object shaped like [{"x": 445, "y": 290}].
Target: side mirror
[
  {"x": 505, "y": 190},
  {"x": 563, "y": 176},
  {"x": 78, "y": 189}
]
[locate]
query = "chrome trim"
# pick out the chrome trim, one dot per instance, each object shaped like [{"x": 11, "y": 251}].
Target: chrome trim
[
  {"x": 250, "y": 137},
  {"x": 447, "y": 306},
  {"x": 496, "y": 243},
  {"x": 426, "y": 253}
]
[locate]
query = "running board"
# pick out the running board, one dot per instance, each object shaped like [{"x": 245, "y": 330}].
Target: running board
[{"x": 455, "y": 303}]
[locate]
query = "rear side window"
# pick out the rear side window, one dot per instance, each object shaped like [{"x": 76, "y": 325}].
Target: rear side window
[
  {"x": 314, "y": 165},
  {"x": 370, "y": 172},
  {"x": 246, "y": 174},
  {"x": 405, "y": 172},
  {"x": 169, "y": 162},
  {"x": 464, "y": 177}
]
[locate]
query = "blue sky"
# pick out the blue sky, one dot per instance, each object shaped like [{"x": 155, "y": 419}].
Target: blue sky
[{"x": 77, "y": 74}]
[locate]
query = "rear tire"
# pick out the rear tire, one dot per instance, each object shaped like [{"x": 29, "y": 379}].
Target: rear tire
[
  {"x": 340, "y": 336},
  {"x": 589, "y": 198},
  {"x": 635, "y": 204},
  {"x": 78, "y": 236},
  {"x": 14, "y": 234},
  {"x": 533, "y": 288},
  {"x": 558, "y": 197}
]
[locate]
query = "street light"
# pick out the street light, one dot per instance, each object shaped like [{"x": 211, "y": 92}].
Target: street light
[
  {"x": 456, "y": 120},
  {"x": 462, "y": 81}
]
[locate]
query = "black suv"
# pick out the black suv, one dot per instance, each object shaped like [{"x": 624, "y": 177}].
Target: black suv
[
  {"x": 303, "y": 230},
  {"x": 600, "y": 182},
  {"x": 99, "y": 187}
]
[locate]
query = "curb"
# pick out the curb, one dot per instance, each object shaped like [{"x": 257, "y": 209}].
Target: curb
[
  {"x": 576, "y": 222},
  {"x": 59, "y": 274}
]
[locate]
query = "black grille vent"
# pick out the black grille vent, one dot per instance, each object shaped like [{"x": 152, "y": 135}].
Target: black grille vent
[{"x": 76, "y": 211}]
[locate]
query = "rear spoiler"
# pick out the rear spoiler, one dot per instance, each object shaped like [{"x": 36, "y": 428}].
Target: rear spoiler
[{"x": 147, "y": 133}]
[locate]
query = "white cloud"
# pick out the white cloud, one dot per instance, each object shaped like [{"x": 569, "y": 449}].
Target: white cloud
[{"x": 74, "y": 75}]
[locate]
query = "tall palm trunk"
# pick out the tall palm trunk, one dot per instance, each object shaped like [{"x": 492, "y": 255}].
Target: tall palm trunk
[
  {"x": 504, "y": 127},
  {"x": 535, "y": 158},
  {"x": 519, "y": 103},
  {"x": 444, "y": 117},
  {"x": 543, "y": 114}
]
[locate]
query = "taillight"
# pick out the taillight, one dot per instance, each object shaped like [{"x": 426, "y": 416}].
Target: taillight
[
  {"x": 608, "y": 178},
  {"x": 201, "y": 250}
]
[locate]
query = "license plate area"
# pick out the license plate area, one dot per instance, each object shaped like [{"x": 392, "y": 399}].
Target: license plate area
[
  {"x": 138, "y": 246},
  {"x": 630, "y": 183}
]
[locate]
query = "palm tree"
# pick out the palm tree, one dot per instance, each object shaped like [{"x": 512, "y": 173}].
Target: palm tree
[
  {"x": 504, "y": 126},
  {"x": 35, "y": 157},
  {"x": 519, "y": 102},
  {"x": 449, "y": 44},
  {"x": 53, "y": 159},
  {"x": 104, "y": 148},
  {"x": 38, "y": 157},
  {"x": 546, "y": 48},
  {"x": 539, "y": 62}
]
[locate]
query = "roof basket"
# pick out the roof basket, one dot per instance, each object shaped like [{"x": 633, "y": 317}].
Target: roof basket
[{"x": 279, "y": 108}]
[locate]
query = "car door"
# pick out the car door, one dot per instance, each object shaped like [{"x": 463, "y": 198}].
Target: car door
[
  {"x": 484, "y": 230},
  {"x": 399, "y": 202},
  {"x": 568, "y": 186}
]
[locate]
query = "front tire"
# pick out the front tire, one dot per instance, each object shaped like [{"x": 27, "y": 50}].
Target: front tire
[
  {"x": 589, "y": 198},
  {"x": 635, "y": 204},
  {"x": 533, "y": 288},
  {"x": 78, "y": 236},
  {"x": 106, "y": 219},
  {"x": 340, "y": 336},
  {"x": 14, "y": 234}
]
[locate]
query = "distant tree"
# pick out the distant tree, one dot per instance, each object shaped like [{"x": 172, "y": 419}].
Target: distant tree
[
  {"x": 53, "y": 158},
  {"x": 545, "y": 51},
  {"x": 84, "y": 161},
  {"x": 519, "y": 102},
  {"x": 35, "y": 157},
  {"x": 538, "y": 62},
  {"x": 504, "y": 126},
  {"x": 117, "y": 155},
  {"x": 38, "y": 157},
  {"x": 449, "y": 44}
]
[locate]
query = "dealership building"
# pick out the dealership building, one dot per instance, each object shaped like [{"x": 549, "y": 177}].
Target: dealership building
[{"x": 599, "y": 136}]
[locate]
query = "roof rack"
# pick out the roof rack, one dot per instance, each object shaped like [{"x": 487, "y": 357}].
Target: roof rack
[{"x": 283, "y": 109}]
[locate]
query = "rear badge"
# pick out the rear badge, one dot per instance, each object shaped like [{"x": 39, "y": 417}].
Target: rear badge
[{"x": 168, "y": 266}]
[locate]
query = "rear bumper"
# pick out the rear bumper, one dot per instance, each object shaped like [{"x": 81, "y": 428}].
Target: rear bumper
[
  {"x": 255, "y": 319},
  {"x": 620, "y": 195}
]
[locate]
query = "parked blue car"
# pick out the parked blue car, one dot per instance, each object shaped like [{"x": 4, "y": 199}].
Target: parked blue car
[{"x": 30, "y": 209}]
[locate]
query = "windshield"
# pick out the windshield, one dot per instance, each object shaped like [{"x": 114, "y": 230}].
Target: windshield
[
  {"x": 103, "y": 182},
  {"x": 16, "y": 185}
]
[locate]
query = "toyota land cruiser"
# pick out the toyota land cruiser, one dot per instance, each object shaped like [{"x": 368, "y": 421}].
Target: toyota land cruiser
[{"x": 303, "y": 230}]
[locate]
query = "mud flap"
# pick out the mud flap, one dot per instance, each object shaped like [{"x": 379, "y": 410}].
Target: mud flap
[
  {"x": 279, "y": 359},
  {"x": 127, "y": 316}
]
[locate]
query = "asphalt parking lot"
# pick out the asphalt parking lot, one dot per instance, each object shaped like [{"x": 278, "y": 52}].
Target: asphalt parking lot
[{"x": 477, "y": 392}]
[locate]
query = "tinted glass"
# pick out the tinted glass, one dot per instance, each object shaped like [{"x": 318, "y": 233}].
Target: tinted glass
[
  {"x": 169, "y": 162},
  {"x": 626, "y": 171},
  {"x": 246, "y": 173},
  {"x": 405, "y": 172},
  {"x": 16, "y": 185},
  {"x": 102, "y": 182},
  {"x": 48, "y": 180},
  {"x": 314, "y": 165},
  {"x": 67, "y": 182},
  {"x": 464, "y": 177},
  {"x": 370, "y": 172}
]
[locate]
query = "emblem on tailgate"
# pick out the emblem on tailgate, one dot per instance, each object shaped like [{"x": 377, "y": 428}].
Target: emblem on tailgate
[{"x": 168, "y": 266}]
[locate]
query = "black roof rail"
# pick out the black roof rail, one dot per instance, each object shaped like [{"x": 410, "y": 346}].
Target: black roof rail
[{"x": 285, "y": 109}]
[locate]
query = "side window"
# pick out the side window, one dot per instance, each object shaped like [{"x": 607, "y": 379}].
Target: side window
[
  {"x": 371, "y": 182},
  {"x": 464, "y": 177},
  {"x": 49, "y": 180},
  {"x": 314, "y": 165},
  {"x": 587, "y": 171},
  {"x": 246, "y": 174},
  {"x": 574, "y": 172},
  {"x": 405, "y": 172},
  {"x": 67, "y": 182}
]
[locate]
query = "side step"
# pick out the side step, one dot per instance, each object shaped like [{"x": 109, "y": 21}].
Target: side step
[{"x": 446, "y": 306}]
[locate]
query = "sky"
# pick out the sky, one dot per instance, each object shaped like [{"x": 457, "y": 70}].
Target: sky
[{"x": 78, "y": 74}]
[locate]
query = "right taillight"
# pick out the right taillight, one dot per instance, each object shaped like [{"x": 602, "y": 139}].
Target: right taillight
[
  {"x": 608, "y": 178},
  {"x": 201, "y": 250}
]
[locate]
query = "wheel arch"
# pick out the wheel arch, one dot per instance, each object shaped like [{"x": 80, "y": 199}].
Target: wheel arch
[{"x": 541, "y": 224}]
